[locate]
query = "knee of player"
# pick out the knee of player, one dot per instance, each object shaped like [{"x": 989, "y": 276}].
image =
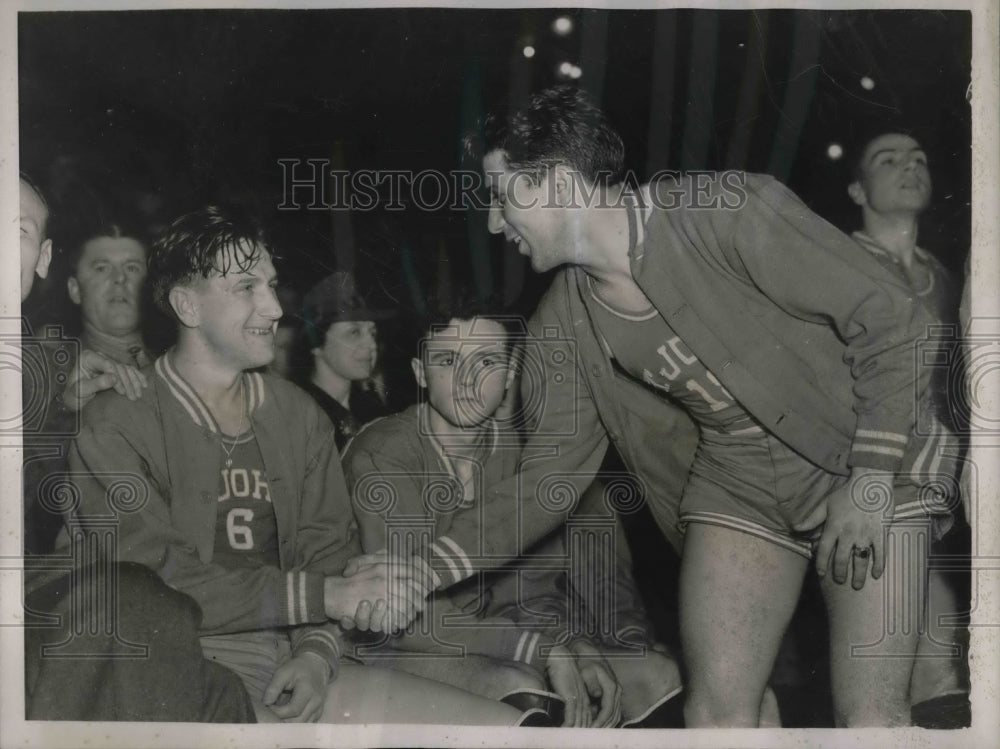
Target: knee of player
[
  {"x": 661, "y": 670},
  {"x": 512, "y": 677},
  {"x": 707, "y": 708}
]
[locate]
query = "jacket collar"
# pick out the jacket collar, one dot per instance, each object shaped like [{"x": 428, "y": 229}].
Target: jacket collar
[{"x": 192, "y": 403}]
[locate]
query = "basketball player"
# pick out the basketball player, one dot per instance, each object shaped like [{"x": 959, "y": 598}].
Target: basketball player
[
  {"x": 522, "y": 615},
  {"x": 748, "y": 360},
  {"x": 239, "y": 497}
]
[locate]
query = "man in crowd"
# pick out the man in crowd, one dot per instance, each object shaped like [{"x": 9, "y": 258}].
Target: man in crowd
[
  {"x": 106, "y": 269},
  {"x": 891, "y": 183}
]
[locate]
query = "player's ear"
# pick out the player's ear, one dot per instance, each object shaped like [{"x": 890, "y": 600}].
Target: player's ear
[
  {"x": 418, "y": 371},
  {"x": 562, "y": 184},
  {"x": 185, "y": 306},
  {"x": 44, "y": 258},
  {"x": 857, "y": 193},
  {"x": 73, "y": 287}
]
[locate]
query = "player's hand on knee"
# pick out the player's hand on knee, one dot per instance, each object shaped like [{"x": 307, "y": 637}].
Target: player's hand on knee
[
  {"x": 603, "y": 689},
  {"x": 854, "y": 533},
  {"x": 568, "y": 683},
  {"x": 303, "y": 678}
]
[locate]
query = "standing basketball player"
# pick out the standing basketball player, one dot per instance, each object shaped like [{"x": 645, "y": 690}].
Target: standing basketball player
[{"x": 714, "y": 327}]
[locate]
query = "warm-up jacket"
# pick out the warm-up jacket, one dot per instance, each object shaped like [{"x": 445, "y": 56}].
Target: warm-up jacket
[
  {"x": 154, "y": 464},
  {"x": 813, "y": 337},
  {"x": 401, "y": 478}
]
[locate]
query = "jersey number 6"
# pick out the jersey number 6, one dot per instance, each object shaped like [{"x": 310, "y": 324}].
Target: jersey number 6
[{"x": 240, "y": 536}]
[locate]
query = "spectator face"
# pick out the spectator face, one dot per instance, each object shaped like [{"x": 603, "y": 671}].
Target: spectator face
[
  {"x": 894, "y": 176},
  {"x": 108, "y": 282},
  {"x": 527, "y": 214},
  {"x": 465, "y": 370},
  {"x": 36, "y": 250},
  {"x": 350, "y": 350},
  {"x": 234, "y": 315}
]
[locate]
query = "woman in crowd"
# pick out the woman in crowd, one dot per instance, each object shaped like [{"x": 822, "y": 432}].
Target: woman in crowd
[{"x": 338, "y": 352}]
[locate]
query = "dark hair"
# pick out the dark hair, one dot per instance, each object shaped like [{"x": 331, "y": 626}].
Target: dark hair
[
  {"x": 859, "y": 144},
  {"x": 464, "y": 304},
  {"x": 196, "y": 244},
  {"x": 559, "y": 125},
  {"x": 71, "y": 239}
]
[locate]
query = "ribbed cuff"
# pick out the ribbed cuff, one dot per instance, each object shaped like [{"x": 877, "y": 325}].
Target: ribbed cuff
[
  {"x": 448, "y": 561},
  {"x": 302, "y": 593},
  {"x": 878, "y": 448},
  {"x": 532, "y": 648},
  {"x": 322, "y": 642}
]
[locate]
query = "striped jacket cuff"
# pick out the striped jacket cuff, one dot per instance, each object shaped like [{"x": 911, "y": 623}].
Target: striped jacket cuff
[
  {"x": 323, "y": 642},
  {"x": 529, "y": 649},
  {"x": 448, "y": 561},
  {"x": 302, "y": 595},
  {"x": 879, "y": 449}
]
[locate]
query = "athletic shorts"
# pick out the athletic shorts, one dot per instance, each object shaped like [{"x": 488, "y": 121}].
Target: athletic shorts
[
  {"x": 753, "y": 483},
  {"x": 253, "y": 656}
]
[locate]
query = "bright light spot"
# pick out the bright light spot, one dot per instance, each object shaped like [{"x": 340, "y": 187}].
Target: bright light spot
[
  {"x": 529, "y": 51},
  {"x": 834, "y": 151},
  {"x": 562, "y": 25},
  {"x": 867, "y": 83},
  {"x": 565, "y": 69},
  {"x": 575, "y": 72}
]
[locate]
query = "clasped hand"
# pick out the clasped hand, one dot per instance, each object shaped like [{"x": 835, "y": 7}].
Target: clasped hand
[{"x": 377, "y": 593}]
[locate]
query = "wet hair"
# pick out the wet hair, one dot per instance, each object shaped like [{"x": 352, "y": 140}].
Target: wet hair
[
  {"x": 560, "y": 125},
  {"x": 211, "y": 240}
]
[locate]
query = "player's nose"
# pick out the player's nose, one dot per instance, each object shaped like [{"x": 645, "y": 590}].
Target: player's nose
[
  {"x": 496, "y": 220},
  {"x": 270, "y": 307}
]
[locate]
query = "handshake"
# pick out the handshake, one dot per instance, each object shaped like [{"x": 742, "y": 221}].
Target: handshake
[{"x": 379, "y": 592}]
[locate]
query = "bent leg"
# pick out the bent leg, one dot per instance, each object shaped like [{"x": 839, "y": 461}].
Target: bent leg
[
  {"x": 647, "y": 682},
  {"x": 737, "y": 596},
  {"x": 471, "y": 673},
  {"x": 874, "y": 631},
  {"x": 367, "y": 694}
]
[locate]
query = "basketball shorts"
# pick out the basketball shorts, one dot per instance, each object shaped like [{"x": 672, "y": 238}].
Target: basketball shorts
[{"x": 754, "y": 483}]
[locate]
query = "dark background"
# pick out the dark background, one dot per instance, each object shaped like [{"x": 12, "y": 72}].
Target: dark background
[
  {"x": 168, "y": 109},
  {"x": 163, "y": 111}
]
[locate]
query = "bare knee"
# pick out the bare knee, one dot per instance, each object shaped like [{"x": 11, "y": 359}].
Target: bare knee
[{"x": 508, "y": 678}]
